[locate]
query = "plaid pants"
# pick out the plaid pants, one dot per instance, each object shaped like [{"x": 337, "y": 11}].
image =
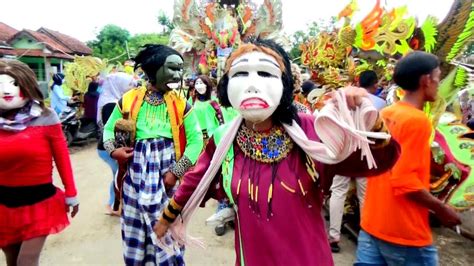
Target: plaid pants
[{"x": 144, "y": 198}]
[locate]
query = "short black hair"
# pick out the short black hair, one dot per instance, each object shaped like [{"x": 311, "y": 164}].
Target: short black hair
[
  {"x": 152, "y": 57},
  {"x": 286, "y": 112},
  {"x": 410, "y": 68},
  {"x": 368, "y": 78},
  {"x": 307, "y": 87}
]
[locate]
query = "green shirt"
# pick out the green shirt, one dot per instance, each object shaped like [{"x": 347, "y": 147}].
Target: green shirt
[
  {"x": 153, "y": 122},
  {"x": 207, "y": 116}
]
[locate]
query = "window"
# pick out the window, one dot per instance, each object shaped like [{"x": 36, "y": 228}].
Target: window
[{"x": 37, "y": 68}]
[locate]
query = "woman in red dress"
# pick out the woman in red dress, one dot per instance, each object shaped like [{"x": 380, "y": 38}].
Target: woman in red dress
[{"x": 31, "y": 207}]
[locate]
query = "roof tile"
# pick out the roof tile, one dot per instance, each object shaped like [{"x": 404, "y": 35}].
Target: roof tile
[{"x": 6, "y": 32}]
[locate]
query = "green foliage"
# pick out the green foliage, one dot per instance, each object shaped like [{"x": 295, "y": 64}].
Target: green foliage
[
  {"x": 110, "y": 43},
  {"x": 165, "y": 22},
  {"x": 139, "y": 40}
]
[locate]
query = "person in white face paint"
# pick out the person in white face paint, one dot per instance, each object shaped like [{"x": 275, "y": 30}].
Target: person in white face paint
[
  {"x": 210, "y": 116},
  {"x": 31, "y": 207},
  {"x": 266, "y": 166}
]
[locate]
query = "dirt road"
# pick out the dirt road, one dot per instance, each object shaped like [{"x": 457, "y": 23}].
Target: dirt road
[{"x": 94, "y": 238}]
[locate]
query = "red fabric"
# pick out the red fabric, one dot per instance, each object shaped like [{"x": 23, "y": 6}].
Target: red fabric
[
  {"x": 43, "y": 218},
  {"x": 26, "y": 158}
]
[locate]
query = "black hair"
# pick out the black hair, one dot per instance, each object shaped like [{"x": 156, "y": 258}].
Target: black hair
[
  {"x": 152, "y": 57},
  {"x": 286, "y": 111},
  {"x": 368, "y": 78},
  {"x": 410, "y": 68},
  {"x": 307, "y": 87}
]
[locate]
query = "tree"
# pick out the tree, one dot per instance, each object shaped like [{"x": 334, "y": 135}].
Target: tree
[
  {"x": 138, "y": 40},
  {"x": 165, "y": 22},
  {"x": 110, "y": 43}
]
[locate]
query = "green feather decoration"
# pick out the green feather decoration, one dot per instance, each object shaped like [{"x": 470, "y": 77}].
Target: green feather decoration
[
  {"x": 358, "y": 38},
  {"x": 452, "y": 84},
  {"x": 464, "y": 37},
  {"x": 446, "y": 89},
  {"x": 460, "y": 81},
  {"x": 381, "y": 63},
  {"x": 429, "y": 29}
]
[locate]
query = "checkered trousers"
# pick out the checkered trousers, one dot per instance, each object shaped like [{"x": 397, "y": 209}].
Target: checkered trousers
[{"x": 144, "y": 198}]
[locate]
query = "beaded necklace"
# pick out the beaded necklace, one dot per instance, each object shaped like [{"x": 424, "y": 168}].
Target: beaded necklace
[
  {"x": 154, "y": 97},
  {"x": 267, "y": 147},
  {"x": 155, "y": 114}
]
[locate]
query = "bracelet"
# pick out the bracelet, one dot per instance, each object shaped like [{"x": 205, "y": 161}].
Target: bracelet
[
  {"x": 180, "y": 168},
  {"x": 109, "y": 146}
]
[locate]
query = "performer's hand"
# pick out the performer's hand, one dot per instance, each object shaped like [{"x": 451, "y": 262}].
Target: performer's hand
[
  {"x": 169, "y": 180},
  {"x": 354, "y": 96},
  {"x": 75, "y": 210},
  {"x": 448, "y": 216},
  {"x": 160, "y": 229},
  {"x": 122, "y": 154}
]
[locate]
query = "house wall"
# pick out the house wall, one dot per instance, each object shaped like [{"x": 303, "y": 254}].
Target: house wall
[
  {"x": 37, "y": 65},
  {"x": 25, "y": 42}
]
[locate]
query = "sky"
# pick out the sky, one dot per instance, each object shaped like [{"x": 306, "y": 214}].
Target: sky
[{"x": 84, "y": 19}]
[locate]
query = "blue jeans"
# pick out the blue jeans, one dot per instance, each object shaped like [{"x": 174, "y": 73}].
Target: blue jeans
[
  {"x": 373, "y": 251},
  {"x": 104, "y": 155}
]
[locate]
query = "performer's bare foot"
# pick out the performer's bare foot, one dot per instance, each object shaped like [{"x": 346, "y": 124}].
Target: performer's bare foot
[{"x": 111, "y": 212}]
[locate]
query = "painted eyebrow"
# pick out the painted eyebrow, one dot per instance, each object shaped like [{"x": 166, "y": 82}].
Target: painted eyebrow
[
  {"x": 239, "y": 61},
  {"x": 269, "y": 61}
]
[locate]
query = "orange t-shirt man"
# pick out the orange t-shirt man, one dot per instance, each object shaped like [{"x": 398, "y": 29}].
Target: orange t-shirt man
[{"x": 388, "y": 214}]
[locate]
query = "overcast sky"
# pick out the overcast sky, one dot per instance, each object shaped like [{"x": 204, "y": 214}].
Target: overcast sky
[{"x": 83, "y": 19}]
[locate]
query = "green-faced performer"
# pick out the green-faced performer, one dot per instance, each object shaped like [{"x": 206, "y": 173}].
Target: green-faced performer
[{"x": 166, "y": 142}]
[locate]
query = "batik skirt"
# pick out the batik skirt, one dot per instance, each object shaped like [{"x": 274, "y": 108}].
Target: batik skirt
[{"x": 144, "y": 198}]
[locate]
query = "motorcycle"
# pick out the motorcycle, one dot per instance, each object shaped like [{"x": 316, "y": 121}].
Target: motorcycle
[{"x": 77, "y": 130}]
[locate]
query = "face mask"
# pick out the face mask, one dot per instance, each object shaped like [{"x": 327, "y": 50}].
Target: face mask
[
  {"x": 200, "y": 86},
  {"x": 255, "y": 87},
  {"x": 10, "y": 94},
  {"x": 170, "y": 75}
]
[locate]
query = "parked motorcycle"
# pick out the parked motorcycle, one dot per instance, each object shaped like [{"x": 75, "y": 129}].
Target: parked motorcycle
[{"x": 77, "y": 130}]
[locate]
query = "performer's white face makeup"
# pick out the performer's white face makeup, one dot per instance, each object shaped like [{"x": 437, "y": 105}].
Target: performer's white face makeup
[
  {"x": 10, "y": 94},
  {"x": 200, "y": 86},
  {"x": 255, "y": 87}
]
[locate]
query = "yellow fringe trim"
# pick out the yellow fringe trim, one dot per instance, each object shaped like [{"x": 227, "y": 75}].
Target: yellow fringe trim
[{"x": 287, "y": 187}]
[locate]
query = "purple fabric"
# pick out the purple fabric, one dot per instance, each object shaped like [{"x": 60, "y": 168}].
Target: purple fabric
[
  {"x": 21, "y": 120},
  {"x": 90, "y": 106}
]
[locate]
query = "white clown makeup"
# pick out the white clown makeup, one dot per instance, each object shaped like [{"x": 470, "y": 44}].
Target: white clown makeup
[
  {"x": 255, "y": 87},
  {"x": 10, "y": 94},
  {"x": 200, "y": 86}
]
